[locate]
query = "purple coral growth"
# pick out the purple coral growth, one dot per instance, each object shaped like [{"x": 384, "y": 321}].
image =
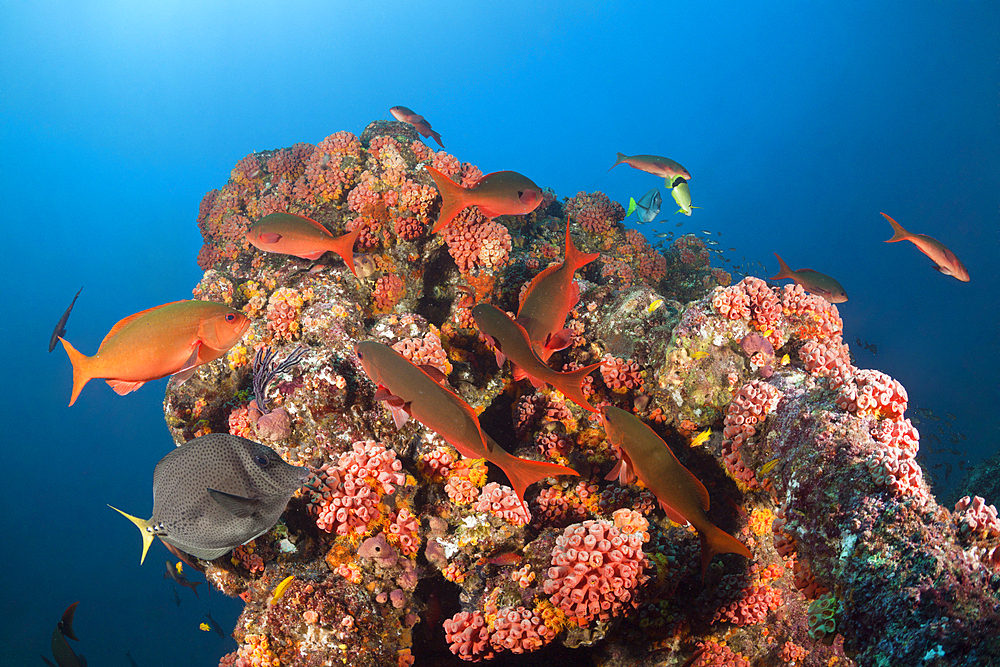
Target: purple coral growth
[{"x": 265, "y": 370}]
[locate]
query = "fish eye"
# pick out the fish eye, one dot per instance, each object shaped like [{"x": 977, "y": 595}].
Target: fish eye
[
  {"x": 361, "y": 355},
  {"x": 231, "y": 317},
  {"x": 261, "y": 460}
]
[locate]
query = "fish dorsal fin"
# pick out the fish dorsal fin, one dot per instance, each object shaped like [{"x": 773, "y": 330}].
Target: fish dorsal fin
[
  {"x": 238, "y": 506},
  {"x": 434, "y": 373},
  {"x": 121, "y": 324},
  {"x": 317, "y": 226}
]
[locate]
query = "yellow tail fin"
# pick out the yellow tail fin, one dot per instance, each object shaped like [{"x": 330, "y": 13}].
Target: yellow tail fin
[{"x": 143, "y": 526}]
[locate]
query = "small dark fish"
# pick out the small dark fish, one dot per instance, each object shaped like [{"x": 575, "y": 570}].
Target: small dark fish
[
  {"x": 60, "y": 329},
  {"x": 215, "y": 626},
  {"x": 663, "y": 235},
  {"x": 679, "y": 223},
  {"x": 949, "y": 415},
  {"x": 177, "y": 597},
  {"x": 131, "y": 660},
  {"x": 234, "y": 487},
  {"x": 174, "y": 572}
]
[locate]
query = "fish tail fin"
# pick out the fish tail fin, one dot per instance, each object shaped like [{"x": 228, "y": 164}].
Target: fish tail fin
[
  {"x": 621, "y": 158},
  {"x": 574, "y": 257},
  {"x": 142, "y": 525},
  {"x": 344, "y": 246},
  {"x": 571, "y": 385},
  {"x": 81, "y": 375},
  {"x": 900, "y": 233},
  {"x": 437, "y": 137},
  {"x": 714, "y": 541},
  {"x": 522, "y": 473},
  {"x": 785, "y": 272},
  {"x": 452, "y": 199}
]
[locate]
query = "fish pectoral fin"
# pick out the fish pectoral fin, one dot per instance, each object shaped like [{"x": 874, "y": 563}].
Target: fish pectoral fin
[
  {"x": 611, "y": 475},
  {"x": 383, "y": 394},
  {"x": 313, "y": 255},
  {"x": 123, "y": 387},
  {"x": 672, "y": 514},
  {"x": 269, "y": 237},
  {"x": 238, "y": 506},
  {"x": 559, "y": 340}
]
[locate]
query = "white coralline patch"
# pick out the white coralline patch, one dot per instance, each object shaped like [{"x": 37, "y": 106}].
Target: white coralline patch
[
  {"x": 450, "y": 548},
  {"x": 718, "y": 340},
  {"x": 678, "y": 399},
  {"x": 847, "y": 546},
  {"x": 287, "y": 547}
]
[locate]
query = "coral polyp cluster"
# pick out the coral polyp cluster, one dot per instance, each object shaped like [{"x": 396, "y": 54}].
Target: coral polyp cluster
[{"x": 404, "y": 551}]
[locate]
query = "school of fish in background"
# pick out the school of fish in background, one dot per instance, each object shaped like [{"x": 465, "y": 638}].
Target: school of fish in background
[{"x": 219, "y": 491}]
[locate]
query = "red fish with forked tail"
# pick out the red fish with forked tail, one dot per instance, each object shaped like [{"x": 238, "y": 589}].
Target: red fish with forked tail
[
  {"x": 656, "y": 165},
  {"x": 944, "y": 259},
  {"x": 417, "y": 121},
  {"x": 499, "y": 193},
  {"x": 549, "y": 298},
  {"x": 172, "y": 339},
  {"x": 510, "y": 341},
  {"x": 682, "y": 495},
  {"x": 289, "y": 234},
  {"x": 412, "y": 391},
  {"x": 813, "y": 282}
]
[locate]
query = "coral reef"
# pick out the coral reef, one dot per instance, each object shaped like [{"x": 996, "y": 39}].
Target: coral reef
[{"x": 402, "y": 551}]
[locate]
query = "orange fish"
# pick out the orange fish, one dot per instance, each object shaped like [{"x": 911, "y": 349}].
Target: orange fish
[
  {"x": 416, "y": 120},
  {"x": 549, "y": 298},
  {"x": 813, "y": 282},
  {"x": 499, "y": 193},
  {"x": 415, "y": 391},
  {"x": 944, "y": 260},
  {"x": 656, "y": 165},
  {"x": 510, "y": 341},
  {"x": 172, "y": 339},
  {"x": 290, "y": 234},
  {"x": 682, "y": 496}
]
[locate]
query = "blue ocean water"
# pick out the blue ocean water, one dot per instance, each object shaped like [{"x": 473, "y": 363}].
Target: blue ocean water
[{"x": 798, "y": 125}]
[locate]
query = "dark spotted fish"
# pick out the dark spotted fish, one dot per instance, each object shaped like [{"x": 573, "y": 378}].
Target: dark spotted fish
[
  {"x": 215, "y": 493},
  {"x": 60, "y": 329}
]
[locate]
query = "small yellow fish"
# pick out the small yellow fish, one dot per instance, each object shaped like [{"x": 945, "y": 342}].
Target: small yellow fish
[
  {"x": 280, "y": 589},
  {"x": 769, "y": 466},
  {"x": 785, "y": 360},
  {"x": 700, "y": 354},
  {"x": 204, "y": 627},
  {"x": 653, "y": 306},
  {"x": 701, "y": 438},
  {"x": 180, "y": 567}
]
